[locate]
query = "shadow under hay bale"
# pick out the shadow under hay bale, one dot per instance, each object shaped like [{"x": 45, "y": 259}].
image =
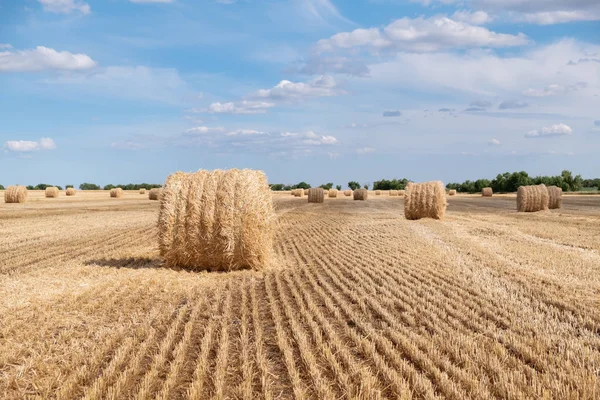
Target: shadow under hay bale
[
  {"x": 316, "y": 195},
  {"x": 425, "y": 200},
  {"x": 532, "y": 198},
  {"x": 15, "y": 194}
]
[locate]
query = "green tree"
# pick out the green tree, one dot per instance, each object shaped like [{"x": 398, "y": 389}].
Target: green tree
[
  {"x": 302, "y": 185},
  {"x": 353, "y": 185},
  {"x": 89, "y": 186},
  {"x": 327, "y": 186},
  {"x": 277, "y": 187},
  {"x": 29, "y": 187},
  {"x": 69, "y": 186},
  {"x": 366, "y": 186},
  {"x": 339, "y": 187},
  {"x": 1, "y": 187},
  {"x": 109, "y": 187}
]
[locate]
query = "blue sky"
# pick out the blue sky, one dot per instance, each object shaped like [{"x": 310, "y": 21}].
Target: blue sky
[{"x": 126, "y": 91}]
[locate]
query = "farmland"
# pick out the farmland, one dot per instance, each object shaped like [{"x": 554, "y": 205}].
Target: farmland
[{"x": 358, "y": 302}]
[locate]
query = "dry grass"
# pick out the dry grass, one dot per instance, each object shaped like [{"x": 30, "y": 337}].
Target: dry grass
[
  {"x": 554, "y": 197},
  {"x": 487, "y": 192},
  {"x": 216, "y": 220},
  {"x": 316, "y": 195},
  {"x": 532, "y": 198},
  {"x": 362, "y": 304},
  {"x": 51, "y": 192},
  {"x": 154, "y": 194},
  {"x": 116, "y": 192},
  {"x": 425, "y": 200},
  {"x": 332, "y": 194},
  {"x": 361, "y": 194},
  {"x": 71, "y": 192},
  {"x": 15, "y": 194}
]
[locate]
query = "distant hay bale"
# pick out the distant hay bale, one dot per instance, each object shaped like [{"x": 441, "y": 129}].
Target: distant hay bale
[
  {"x": 425, "y": 200},
  {"x": 52, "y": 191},
  {"x": 487, "y": 192},
  {"x": 142, "y": 191},
  {"x": 325, "y": 192},
  {"x": 554, "y": 197},
  {"x": 305, "y": 192},
  {"x": 393, "y": 193},
  {"x": 71, "y": 192},
  {"x": 116, "y": 192},
  {"x": 299, "y": 192},
  {"x": 401, "y": 192},
  {"x": 347, "y": 192},
  {"x": 154, "y": 194},
  {"x": 361, "y": 194},
  {"x": 216, "y": 220},
  {"x": 532, "y": 198},
  {"x": 378, "y": 193},
  {"x": 452, "y": 192},
  {"x": 316, "y": 195},
  {"x": 332, "y": 193},
  {"x": 15, "y": 194}
]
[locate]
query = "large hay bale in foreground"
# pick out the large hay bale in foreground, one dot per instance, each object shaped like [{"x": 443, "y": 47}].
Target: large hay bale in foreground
[
  {"x": 452, "y": 192},
  {"x": 425, "y": 200},
  {"x": 15, "y": 194},
  {"x": 142, "y": 191},
  {"x": 116, "y": 192},
  {"x": 487, "y": 192},
  {"x": 332, "y": 193},
  {"x": 52, "y": 191},
  {"x": 361, "y": 194},
  {"x": 154, "y": 194},
  {"x": 316, "y": 195},
  {"x": 532, "y": 198},
  {"x": 71, "y": 192},
  {"x": 378, "y": 193},
  {"x": 554, "y": 197},
  {"x": 347, "y": 192},
  {"x": 217, "y": 220},
  {"x": 393, "y": 193}
]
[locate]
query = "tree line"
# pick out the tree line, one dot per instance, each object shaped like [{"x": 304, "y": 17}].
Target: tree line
[
  {"x": 278, "y": 187},
  {"x": 510, "y": 182}
]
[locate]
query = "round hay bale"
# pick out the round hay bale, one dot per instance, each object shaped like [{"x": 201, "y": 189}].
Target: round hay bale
[
  {"x": 305, "y": 192},
  {"x": 361, "y": 194},
  {"x": 216, "y": 220},
  {"x": 52, "y": 191},
  {"x": 532, "y": 198},
  {"x": 15, "y": 194},
  {"x": 154, "y": 194},
  {"x": 554, "y": 197},
  {"x": 347, "y": 192},
  {"x": 142, "y": 191},
  {"x": 487, "y": 192},
  {"x": 325, "y": 192},
  {"x": 452, "y": 192},
  {"x": 425, "y": 200},
  {"x": 71, "y": 192},
  {"x": 378, "y": 193},
  {"x": 393, "y": 193},
  {"x": 299, "y": 192},
  {"x": 316, "y": 195},
  {"x": 332, "y": 193},
  {"x": 116, "y": 192},
  {"x": 401, "y": 192}
]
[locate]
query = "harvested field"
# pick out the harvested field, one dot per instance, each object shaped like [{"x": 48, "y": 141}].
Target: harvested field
[{"x": 362, "y": 303}]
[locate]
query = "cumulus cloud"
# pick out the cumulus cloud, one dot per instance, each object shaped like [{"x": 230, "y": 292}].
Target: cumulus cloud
[
  {"x": 321, "y": 86},
  {"x": 554, "y": 90},
  {"x": 65, "y": 6},
  {"x": 25, "y": 146},
  {"x": 473, "y": 18},
  {"x": 421, "y": 35},
  {"x": 199, "y": 130},
  {"x": 322, "y": 64},
  {"x": 494, "y": 142},
  {"x": 392, "y": 113},
  {"x": 512, "y": 104},
  {"x": 245, "y": 132},
  {"x": 240, "y": 107},
  {"x": 550, "y": 131},
  {"x": 42, "y": 58}
]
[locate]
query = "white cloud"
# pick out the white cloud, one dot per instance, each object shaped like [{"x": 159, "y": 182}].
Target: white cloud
[
  {"x": 494, "y": 142},
  {"x": 203, "y": 129},
  {"x": 24, "y": 146},
  {"x": 245, "y": 132},
  {"x": 65, "y": 6},
  {"x": 554, "y": 90},
  {"x": 421, "y": 35},
  {"x": 240, "y": 107},
  {"x": 5, "y": 46},
  {"x": 550, "y": 131},
  {"x": 321, "y": 86},
  {"x": 473, "y": 18},
  {"x": 42, "y": 58},
  {"x": 558, "y": 17},
  {"x": 365, "y": 150},
  {"x": 321, "y": 11},
  {"x": 151, "y": 1}
]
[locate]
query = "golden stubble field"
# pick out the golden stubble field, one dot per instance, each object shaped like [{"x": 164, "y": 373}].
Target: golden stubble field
[{"x": 359, "y": 303}]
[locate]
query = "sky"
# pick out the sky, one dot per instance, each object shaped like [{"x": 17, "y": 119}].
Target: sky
[{"x": 129, "y": 91}]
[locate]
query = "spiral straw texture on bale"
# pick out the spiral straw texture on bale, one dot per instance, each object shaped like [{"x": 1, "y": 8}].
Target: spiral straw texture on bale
[
  {"x": 347, "y": 192},
  {"x": 15, "y": 194},
  {"x": 554, "y": 197},
  {"x": 487, "y": 192},
  {"x": 332, "y": 193},
  {"x": 425, "y": 200},
  {"x": 71, "y": 192},
  {"x": 532, "y": 198},
  {"x": 116, "y": 192},
  {"x": 52, "y": 191},
  {"x": 361, "y": 194},
  {"x": 316, "y": 195},
  {"x": 154, "y": 194},
  {"x": 216, "y": 220},
  {"x": 142, "y": 191},
  {"x": 452, "y": 192}
]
